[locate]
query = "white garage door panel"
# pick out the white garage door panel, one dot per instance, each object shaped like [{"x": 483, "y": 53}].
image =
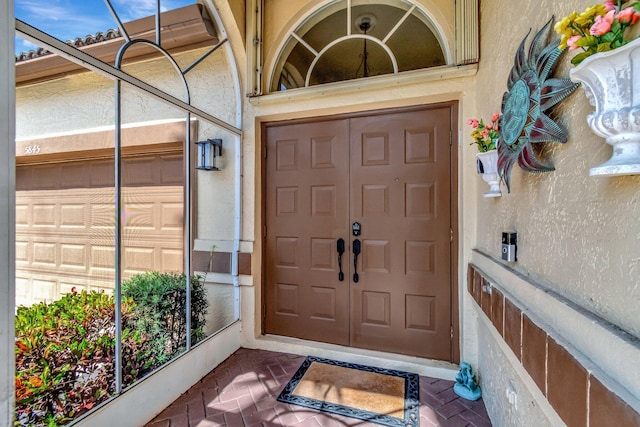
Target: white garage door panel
[{"x": 65, "y": 235}]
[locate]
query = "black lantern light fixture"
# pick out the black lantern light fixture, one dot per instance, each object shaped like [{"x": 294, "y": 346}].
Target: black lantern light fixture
[{"x": 208, "y": 153}]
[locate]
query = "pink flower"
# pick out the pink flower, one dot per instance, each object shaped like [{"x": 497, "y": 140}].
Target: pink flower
[
  {"x": 602, "y": 25},
  {"x": 485, "y": 132},
  {"x": 489, "y": 126},
  {"x": 495, "y": 117},
  {"x": 473, "y": 122},
  {"x": 628, "y": 16},
  {"x": 610, "y": 5},
  {"x": 571, "y": 42}
]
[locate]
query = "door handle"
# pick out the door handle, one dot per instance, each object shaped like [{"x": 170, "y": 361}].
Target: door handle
[
  {"x": 356, "y": 252},
  {"x": 340, "y": 247}
]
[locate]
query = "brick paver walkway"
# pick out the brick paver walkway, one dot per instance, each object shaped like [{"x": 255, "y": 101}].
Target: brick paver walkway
[{"x": 242, "y": 391}]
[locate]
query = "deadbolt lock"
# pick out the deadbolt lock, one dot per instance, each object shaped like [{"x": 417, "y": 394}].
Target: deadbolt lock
[{"x": 355, "y": 228}]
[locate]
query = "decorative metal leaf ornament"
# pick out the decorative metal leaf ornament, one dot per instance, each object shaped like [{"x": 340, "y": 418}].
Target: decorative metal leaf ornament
[{"x": 530, "y": 92}]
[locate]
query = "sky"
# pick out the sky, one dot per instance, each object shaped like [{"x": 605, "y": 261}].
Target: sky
[{"x": 69, "y": 19}]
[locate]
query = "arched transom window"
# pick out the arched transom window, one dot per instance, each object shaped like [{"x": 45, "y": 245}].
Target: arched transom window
[{"x": 351, "y": 39}]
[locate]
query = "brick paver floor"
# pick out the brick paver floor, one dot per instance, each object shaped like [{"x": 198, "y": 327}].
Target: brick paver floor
[{"x": 242, "y": 391}]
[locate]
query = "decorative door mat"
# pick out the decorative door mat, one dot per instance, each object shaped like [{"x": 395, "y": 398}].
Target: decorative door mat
[{"x": 382, "y": 396}]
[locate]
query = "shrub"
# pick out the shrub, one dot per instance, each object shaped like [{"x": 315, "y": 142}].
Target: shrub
[
  {"x": 160, "y": 312},
  {"x": 64, "y": 357},
  {"x": 65, "y": 351}
]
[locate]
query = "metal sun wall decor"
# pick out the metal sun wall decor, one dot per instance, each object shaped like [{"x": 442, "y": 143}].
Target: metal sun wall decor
[{"x": 530, "y": 93}]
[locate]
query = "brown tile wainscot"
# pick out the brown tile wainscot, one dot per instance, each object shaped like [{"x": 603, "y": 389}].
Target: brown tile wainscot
[{"x": 579, "y": 397}]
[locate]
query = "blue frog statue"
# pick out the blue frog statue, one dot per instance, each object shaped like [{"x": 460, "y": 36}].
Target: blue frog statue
[{"x": 466, "y": 385}]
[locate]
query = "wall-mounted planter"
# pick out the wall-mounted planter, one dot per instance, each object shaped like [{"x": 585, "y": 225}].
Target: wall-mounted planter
[
  {"x": 611, "y": 81},
  {"x": 488, "y": 167}
]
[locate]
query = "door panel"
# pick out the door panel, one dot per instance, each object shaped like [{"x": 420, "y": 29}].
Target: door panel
[
  {"x": 306, "y": 212},
  {"x": 400, "y": 193},
  {"x": 392, "y": 174}
]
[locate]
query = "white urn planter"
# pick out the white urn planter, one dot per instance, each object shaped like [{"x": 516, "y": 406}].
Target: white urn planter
[
  {"x": 611, "y": 82},
  {"x": 489, "y": 170}
]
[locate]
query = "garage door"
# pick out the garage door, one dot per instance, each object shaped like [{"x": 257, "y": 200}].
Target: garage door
[{"x": 65, "y": 223}]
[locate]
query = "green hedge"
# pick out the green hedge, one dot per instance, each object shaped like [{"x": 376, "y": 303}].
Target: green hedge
[{"x": 160, "y": 313}]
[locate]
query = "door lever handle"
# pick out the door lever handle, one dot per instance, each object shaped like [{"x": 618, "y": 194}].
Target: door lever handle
[
  {"x": 356, "y": 252},
  {"x": 340, "y": 247}
]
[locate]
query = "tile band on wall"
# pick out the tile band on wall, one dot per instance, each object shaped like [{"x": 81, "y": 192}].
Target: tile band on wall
[
  {"x": 572, "y": 389},
  {"x": 220, "y": 262}
]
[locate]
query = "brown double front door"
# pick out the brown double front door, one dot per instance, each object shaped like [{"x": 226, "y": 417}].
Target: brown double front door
[{"x": 389, "y": 174}]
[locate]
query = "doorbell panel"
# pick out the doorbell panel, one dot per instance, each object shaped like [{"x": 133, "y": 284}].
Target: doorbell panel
[{"x": 510, "y": 246}]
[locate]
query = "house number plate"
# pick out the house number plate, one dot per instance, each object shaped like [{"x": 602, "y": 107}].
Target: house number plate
[{"x": 32, "y": 149}]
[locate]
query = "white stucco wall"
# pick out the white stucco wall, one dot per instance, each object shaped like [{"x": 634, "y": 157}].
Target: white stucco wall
[
  {"x": 220, "y": 312},
  {"x": 501, "y": 371},
  {"x": 74, "y": 110},
  {"x": 86, "y": 100},
  {"x": 577, "y": 234}
]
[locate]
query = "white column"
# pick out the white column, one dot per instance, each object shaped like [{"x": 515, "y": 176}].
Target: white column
[{"x": 7, "y": 212}]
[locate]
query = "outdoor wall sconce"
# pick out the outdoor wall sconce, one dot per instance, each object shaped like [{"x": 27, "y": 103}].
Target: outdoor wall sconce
[{"x": 208, "y": 153}]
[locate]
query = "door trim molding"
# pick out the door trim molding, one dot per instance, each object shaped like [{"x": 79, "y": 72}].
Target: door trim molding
[
  {"x": 455, "y": 288},
  {"x": 352, "y": 115}
]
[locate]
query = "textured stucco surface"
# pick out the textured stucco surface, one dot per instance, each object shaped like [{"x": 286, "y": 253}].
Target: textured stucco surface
[
  {"x": 220, "y": 312},
  {"x": 73, "y": 111},
  {"x": 500, "y": 371},
  {"x": 239, "y": 14},
  {"x": 578, "y": 235},
  {"x": 86, "y": 100}
]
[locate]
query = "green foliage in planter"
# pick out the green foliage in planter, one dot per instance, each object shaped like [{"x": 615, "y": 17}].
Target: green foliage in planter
[
  {"x": 65, "y": 351},
  {"x": 160, "y": 312},
  {"x": 64, "y": 357}
]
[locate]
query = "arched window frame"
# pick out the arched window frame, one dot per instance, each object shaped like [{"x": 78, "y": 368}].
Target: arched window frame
[{"x": 315, "y": 15}]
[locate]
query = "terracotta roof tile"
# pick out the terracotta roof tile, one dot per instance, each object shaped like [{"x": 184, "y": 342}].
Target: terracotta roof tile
[{"x": 78, "y": 42}]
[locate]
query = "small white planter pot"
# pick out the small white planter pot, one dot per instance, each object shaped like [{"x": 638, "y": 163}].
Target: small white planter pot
[
  {"x": 489, "y": 162},
  {"x": 611, "y": 82}
]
